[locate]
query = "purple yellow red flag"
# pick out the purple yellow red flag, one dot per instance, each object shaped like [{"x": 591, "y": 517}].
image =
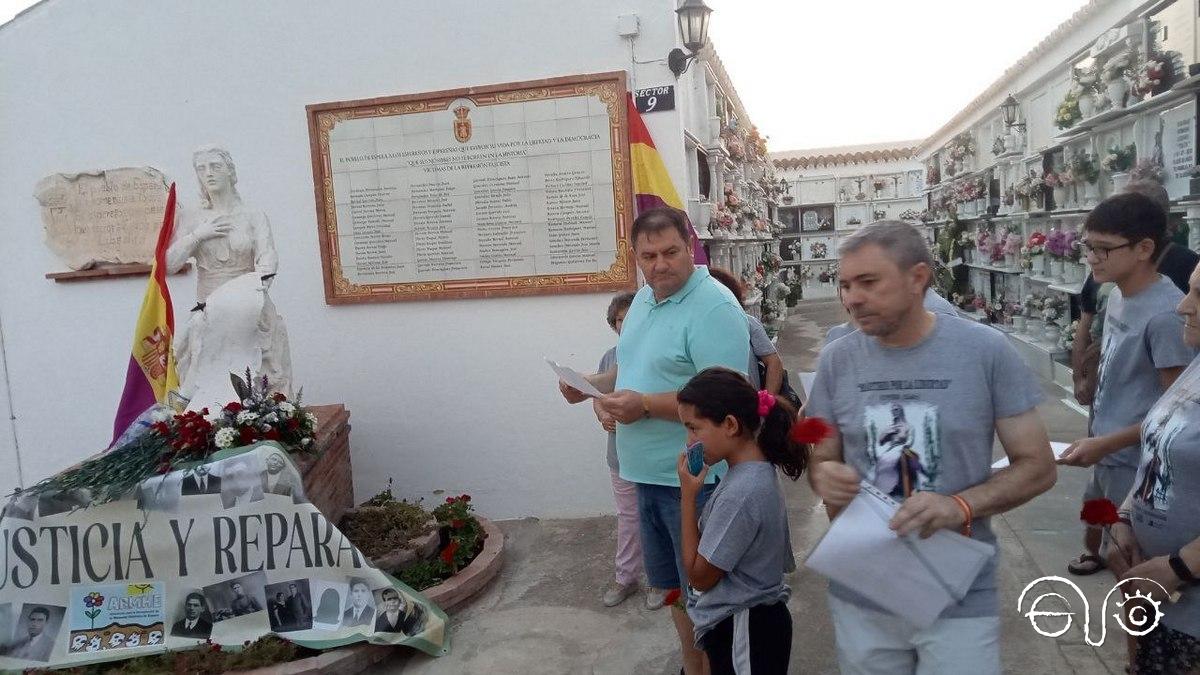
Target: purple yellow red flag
[
  {"x": 151, "y": 373},
  {"x": 652, "y": 186}
]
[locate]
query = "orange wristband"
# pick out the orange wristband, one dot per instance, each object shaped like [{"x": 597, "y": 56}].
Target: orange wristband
[{"x": 967, "y": 514}]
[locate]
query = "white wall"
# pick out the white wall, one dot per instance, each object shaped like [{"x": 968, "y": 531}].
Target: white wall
[{"x": 443, "y": 395}]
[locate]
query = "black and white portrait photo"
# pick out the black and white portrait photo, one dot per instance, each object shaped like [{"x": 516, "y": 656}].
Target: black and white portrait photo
[
  {"x": 398, "y": 613},
  {"x": 194, "y": 619},
  {"x": 360, "y": 609},
  {"x": 277, "y": 479},
  {"x": 289, "y": 605},
  {"x": 237, "y": 597},
  {"x": 241, "y": 480},
  {"x": 201, "y": 481},
  {"x": 36, "y": 631}
]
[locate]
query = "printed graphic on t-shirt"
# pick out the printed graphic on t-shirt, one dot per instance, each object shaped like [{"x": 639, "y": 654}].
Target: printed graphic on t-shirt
[
  {"x": 1153, "y": 486},
  {"x": 903, "y": 447},
  {"x": 1105, "y": 355}
]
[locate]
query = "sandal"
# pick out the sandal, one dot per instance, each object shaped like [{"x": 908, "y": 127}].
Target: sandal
[{"x": 1085, "y": 564}]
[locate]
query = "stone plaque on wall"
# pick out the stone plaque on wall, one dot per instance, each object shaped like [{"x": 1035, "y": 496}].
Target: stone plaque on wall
[
  {"x": 515, "y": 189},
  {"x": 109, "y": 216},
  {"x": 1177, "y": 143}
]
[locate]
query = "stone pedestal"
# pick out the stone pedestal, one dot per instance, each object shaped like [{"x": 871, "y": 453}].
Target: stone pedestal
[{"x": 328, "y": 479}]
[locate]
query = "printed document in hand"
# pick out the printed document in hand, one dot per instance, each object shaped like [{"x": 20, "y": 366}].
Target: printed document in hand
[
  {"x": 806, "y": 383},
  {"x": 574, "y": 379},
  {"x": 1058, "y": 448},
  {"x": 910, "y": 577}
]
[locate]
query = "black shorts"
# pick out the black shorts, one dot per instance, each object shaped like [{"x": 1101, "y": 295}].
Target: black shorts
[{"x": 756, "y": 640}]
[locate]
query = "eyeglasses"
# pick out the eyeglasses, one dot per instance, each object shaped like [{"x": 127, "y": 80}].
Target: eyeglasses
[{"x": 1100, "y": 252}]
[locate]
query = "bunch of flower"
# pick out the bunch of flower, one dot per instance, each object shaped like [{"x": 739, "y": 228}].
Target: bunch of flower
[
  {"x": 910, "y": 215},
  {"x": 1087, "y": 79},
  {"x": 1037, "y": 188},
  {"x": 737, "y": 151},
  {"x": 1066, "y": 339},
  {"x": 926, "y": 216},
  {"x": 770, "y": 309},
  {"x": 262, "y": 415},
  {"x": 1010, "y": 196},
  {"x": 998, "y": 146},
  {"x": 771, "y": 261},
  {"x": 1051, "y": 180},
  {"x": 1083, "y": 167},
  {"x": 1070, "y": 244},
  {"x": 998, "y": 249},
  {"x": 1150, "y": 77},
  {"x": 1056, "y": 243},
  {"x": 1036, "y": 244},
  {"x": 983, "y": 241},
  {"x": 1052, "y": 309},
  {"x": 978, "y": 302},
  {"x": 818, "y": 250},
  {"x": 1148, "y": 169},
  {"x": 189, "y": 436},
  {"x": 933, "y": 174},
  {"x": 966, "y": 240},
  {"x": 1119, "y": 159},
  {"x": 722, "y": 218},
  {"x": 1024, "y": 185},
  {"x": 1012, "y": 244},
  {"x": 1033, "y": 304},
  {"x": 1066, "y": 176},
  {"x": 961, "y": 146},
  {"x": 854, "y": 220},
  {"x": 1068, "y": 114}
]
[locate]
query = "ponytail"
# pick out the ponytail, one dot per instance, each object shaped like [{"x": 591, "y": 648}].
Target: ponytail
[
  {"x": 776, "y": 442},
  {"x": 717, "y": 393}
]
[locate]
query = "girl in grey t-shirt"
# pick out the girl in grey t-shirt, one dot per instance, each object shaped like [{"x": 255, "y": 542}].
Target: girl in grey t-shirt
[{"x": 736, "y": 554}]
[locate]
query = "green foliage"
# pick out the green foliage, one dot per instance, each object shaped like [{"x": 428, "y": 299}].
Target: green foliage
[
  {"x": 208, "y": 659},
  {"x": 464, "y": 540}
]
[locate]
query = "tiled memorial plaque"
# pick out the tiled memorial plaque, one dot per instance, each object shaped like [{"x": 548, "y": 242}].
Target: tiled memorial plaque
[{"x": 514, "y": 189}]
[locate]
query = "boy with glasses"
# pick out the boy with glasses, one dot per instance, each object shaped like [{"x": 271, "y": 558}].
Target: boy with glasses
[{"x": 1142, "y": 353}]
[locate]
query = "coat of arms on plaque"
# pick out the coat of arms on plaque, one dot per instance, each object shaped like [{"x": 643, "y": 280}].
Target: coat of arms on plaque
[{"x": 462, "y": 125}]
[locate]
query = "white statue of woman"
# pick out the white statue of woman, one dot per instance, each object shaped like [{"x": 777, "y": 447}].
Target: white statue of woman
[{"x": 234, "y": 325}]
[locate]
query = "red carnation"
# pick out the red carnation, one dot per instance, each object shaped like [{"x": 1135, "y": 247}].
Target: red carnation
[
  {"x": 162, "y": 428},
  {"x": 449, "y": 551},
  {"x": 465, "y": 498},
  {"x": 810, "y": 430},
  {"x": 247, "y": 435},
  {"x": 1099, "y": 512},
  {"x": 293, "y": 424},
  {"x": 271, "y": 434},
  {"x": 449, "y": 500},
  {"x": 233, "y": 407},
  {"x": 672, "y": 596}
]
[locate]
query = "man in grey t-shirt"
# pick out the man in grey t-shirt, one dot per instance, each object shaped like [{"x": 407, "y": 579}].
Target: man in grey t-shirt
[
  {"x": 917, "y": 399},
  {"x": 1142, "y": 352},
  {"x": 933, "y": 302}
]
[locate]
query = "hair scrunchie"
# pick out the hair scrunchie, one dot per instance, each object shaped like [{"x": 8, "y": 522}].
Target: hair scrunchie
[{"x": 766, "y": 401}]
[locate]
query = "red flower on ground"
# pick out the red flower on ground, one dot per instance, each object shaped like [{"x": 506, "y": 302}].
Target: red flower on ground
[
  {"x": 458, "y": 523},
  {"x": 233, "y": 407},
  {"x": 449, "y": 551},
  {"x": 465, "y": 498},
  {"x": 449, "y": 500},
  {"x": 1099, "y": 512},
  {"x": 810, "y": 430},
  {"x": 247, "y": 435}
]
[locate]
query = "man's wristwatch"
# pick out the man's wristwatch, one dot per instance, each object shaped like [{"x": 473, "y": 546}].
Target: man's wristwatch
[
  {"x": 645, "y": 407},
  {"x": 1180, "y": 569}
]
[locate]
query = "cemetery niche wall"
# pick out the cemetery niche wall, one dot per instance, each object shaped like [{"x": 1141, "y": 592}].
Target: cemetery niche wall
[{"x": 513, "y": 189}]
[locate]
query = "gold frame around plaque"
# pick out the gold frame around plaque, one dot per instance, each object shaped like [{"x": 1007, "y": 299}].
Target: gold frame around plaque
[{"x": 610, "y": 88}]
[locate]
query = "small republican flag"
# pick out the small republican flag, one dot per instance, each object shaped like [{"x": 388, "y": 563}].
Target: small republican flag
[
  {"x": 151, "y": 372},
  {"x": 652, "y": 187}
]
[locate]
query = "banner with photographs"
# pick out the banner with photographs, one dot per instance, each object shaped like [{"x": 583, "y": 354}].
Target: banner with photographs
[{"x": 229, "y": 552}]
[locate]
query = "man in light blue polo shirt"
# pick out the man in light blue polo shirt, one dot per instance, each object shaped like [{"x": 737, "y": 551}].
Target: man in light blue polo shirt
[{"x": 680, "y": 323}]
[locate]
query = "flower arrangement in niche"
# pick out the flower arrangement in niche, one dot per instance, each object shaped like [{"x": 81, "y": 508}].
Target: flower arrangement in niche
[
  {"x": 998, "y": 146},
  {"x": 933, "y": 175},
  {"x": 1052, "y": 309},
  {"x": 854, "y": 220},
  {"x": 1033, "y": 304},
  {"x": 818, "y": 250},
  {"x": 1012, "y": 244},
  {"x": 1150, "y": 79},
  {"x": 1010, "y": 196},
  {"x": 1119, "y": 159},
  {"x": 1056, "y": 243},
  {"x": 1148, "y": 169},
  {"x": 1068, "y": 113},
  {"x": 961, "y": 146},
  {"x": 1051, "y": 180},
  {"x": 1083, "y": 167},
  {"x": 910, "y": 215},
  {"x": 1066, "y": 340}
]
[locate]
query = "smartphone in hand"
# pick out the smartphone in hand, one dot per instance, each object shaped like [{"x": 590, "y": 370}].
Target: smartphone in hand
[{"x": 695, "y": 458}]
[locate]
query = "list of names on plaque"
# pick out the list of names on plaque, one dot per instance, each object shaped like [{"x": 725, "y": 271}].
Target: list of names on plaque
[{"x": 518, "y": 191}]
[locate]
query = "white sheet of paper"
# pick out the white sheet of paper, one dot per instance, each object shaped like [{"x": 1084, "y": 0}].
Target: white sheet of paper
[
  {"x": 910, "y": 577},
  {"x": 806, "y": 381},
  {"x": 575, "y": 379},
  {"x": 1057, "y": 448},
  {"x": 955, "y": 263}
]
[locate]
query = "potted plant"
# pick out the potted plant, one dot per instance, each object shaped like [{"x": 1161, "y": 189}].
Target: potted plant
[
  {"x": 1037, "y": 191},
  {"x": 1118, "y": 161},
  {"x": 1066, "y": 339},
  {"x": 1033, "y": 313},
  {"x": 1052, "y": 314},
  {"x": 1056, "y": 246},
  {"x": 1073, "y": 269},
  {"x": 1151, "y": 77}
]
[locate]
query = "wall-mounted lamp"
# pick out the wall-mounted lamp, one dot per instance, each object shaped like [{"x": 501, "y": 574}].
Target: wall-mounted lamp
[
  {"x": 693, "y": 26},
  {"x": 1010, "y": 108}
]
